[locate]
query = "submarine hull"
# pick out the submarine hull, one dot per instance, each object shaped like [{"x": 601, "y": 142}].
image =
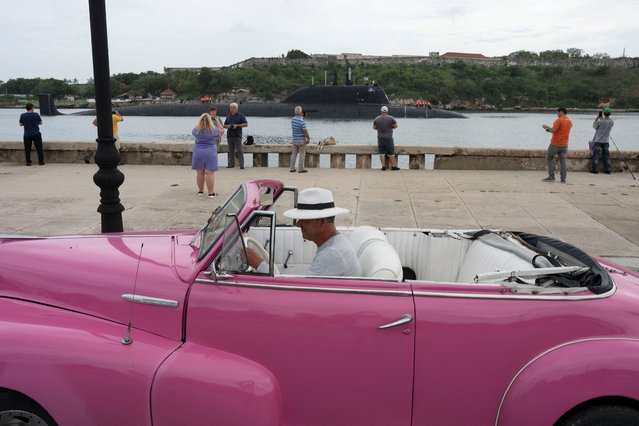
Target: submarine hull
[{"x": 265, "y": 109}]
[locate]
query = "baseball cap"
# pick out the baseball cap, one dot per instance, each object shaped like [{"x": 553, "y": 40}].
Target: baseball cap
[
  {"x": 384, "y": 108},
  {"x": 607, "y": 111}
]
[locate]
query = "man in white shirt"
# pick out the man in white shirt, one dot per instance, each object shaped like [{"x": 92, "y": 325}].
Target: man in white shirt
[{"x": 315, "y": 214}]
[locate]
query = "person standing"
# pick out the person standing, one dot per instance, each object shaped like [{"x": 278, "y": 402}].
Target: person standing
[
  {"x": 602, "y": 125},
  {"x": 216, "y": 123},
  {"x": 301, "y": 138},
  {"x": 204, "y": 159},
  {"x": 558, "y": 144},
  {"x": 115, "y": 119},
  {"x": 384, "y": 124},
  {"x": 235, "y": 121},
  {"x": 31, "y": 121}
]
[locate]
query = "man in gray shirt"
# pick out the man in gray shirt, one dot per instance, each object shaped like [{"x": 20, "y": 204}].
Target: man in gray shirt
[
  {"x": 384, "y": 124},
  {"x": 315, "y": 215},
  {"x": 602, "y": 125}
]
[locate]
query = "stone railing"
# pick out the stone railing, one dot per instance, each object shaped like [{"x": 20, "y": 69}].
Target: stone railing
[{"x": 363, "y": 155}]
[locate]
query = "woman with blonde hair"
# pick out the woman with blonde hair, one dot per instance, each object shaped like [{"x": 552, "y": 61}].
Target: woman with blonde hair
[{"x": 205, "y": 152}]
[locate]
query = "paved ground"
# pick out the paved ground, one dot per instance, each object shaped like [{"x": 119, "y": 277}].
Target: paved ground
[{"x": 598, "y": 213}]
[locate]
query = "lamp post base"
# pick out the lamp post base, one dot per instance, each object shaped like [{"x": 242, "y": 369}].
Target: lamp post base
[{"x": 108, "y": 178}]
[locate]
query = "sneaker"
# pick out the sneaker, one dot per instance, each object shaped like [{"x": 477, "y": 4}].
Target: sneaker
[
  {"x": 383, "y": 169},
  {"x": 230, "y": 167},
  {"x": 29, "y": 163},
  {"x": 608, "y": 172},
  {"x": 241, "y": 167},
  {"x": 41, "y": 164},
  {"x": 213, "y": 194},
  {"x": 200, "y": 194},
  {"x": 394, "y": 168},
  {"x": 548, "y": 179},
  {"x": 563, "y": 181},
  {"x": 293, "y": 171},
  {"x": 594, "y": 172},
  {"x": 303, "y": 171}
]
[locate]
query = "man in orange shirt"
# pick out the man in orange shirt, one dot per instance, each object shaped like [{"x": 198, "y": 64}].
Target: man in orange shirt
[{"x": 558, "y": 144}]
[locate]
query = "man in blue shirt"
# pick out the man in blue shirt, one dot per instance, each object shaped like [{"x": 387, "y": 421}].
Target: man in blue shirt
[
  {"x": 301, "y": 138},
  {"x": 31, "y": 122},
  {"x": 234, "y": 122}
]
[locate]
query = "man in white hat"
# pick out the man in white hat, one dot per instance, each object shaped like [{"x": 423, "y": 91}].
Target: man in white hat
[{"x": 315, "y": 215}]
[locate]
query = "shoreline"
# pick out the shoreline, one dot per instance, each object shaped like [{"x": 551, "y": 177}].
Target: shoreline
[{"x": 515, "y": 109}]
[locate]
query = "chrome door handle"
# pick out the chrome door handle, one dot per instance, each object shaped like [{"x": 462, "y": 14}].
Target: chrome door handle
[{"x": 405, "y": 319}]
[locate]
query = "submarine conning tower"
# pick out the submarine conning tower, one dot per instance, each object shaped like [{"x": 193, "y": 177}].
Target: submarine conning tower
[
  {"x": 338, "y": 94},
  {"x": 47, "y": 105}
]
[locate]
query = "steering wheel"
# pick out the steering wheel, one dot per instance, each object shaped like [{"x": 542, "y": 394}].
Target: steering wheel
[{"x": 261, "y": 250}]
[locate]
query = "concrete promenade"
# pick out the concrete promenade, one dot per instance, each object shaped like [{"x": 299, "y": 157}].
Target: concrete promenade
[{"x": 599, "y": 213}]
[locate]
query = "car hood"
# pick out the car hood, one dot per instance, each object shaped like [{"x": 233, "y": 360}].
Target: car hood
[{"x": 92, "y": 273}]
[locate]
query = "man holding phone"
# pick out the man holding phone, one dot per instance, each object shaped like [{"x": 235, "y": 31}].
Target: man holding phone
[{"x": 602, "y": 125}]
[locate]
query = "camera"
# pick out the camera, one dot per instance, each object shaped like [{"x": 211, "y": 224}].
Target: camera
[{"x": 600, "y": 113}]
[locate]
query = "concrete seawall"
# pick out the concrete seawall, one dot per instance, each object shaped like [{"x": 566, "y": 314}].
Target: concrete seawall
[{"x": 439, "y": 157}]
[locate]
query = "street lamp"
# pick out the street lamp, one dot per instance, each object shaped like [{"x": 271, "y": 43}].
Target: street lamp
[{"x": 107, "y": 157}]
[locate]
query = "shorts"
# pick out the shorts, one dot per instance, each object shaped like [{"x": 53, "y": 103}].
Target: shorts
[{"x": 385, "y": 145}]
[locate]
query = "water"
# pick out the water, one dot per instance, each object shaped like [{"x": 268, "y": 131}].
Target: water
[{"x": 480, "y": 130}]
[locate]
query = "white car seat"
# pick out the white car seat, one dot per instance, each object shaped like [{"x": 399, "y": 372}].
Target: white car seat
[{"x": 377, "y": 258}]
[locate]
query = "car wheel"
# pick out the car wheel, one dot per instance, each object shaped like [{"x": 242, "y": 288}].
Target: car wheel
[
  {"x": 603, "y": 415},
  {"x": 22, "y": 411}
]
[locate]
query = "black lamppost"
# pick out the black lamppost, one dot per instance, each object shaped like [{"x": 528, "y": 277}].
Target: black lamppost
[{"x": 107, "y": 157}]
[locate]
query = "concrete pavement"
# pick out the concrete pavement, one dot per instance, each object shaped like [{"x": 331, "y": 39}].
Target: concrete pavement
[{"x": 598, "y": 213}]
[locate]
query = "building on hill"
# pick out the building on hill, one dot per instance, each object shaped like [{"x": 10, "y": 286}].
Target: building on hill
[
  {"x": 461, "y": 55},
  {"x": 167, "y": 94}
]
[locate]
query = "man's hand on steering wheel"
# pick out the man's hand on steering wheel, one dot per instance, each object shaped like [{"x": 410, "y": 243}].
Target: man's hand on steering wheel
[{"x": 253, "y": 258}]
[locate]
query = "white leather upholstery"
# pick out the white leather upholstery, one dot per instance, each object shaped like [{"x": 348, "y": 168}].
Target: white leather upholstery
[
  {"x": 288, "y": 238},
  {"x": 432, "y": 258},
  {"x": 482, "y": 258},
  {"x": 377, "y": 258}
]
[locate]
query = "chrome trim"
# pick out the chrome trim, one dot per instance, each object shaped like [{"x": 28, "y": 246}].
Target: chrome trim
[
  {"x": 308, "y": 288},
  {"x": 403, "y": 320},
  {"x": 79, "y": 237},
  {"x": 148, "y": 300},
  {"x": 509, "y": 296}
]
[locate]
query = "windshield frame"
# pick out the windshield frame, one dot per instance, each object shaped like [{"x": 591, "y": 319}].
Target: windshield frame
[{"x": 215, "y": 226}]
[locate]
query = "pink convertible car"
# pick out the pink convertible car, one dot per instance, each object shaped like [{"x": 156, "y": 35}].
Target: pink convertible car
[{"x": 442, "y": 328}]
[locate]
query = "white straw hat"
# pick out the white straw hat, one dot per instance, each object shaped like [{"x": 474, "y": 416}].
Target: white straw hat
[{"x": 314, "y": 203}]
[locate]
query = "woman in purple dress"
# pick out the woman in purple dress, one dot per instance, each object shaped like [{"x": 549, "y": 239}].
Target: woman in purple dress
[{"x": 205, "y": 153}]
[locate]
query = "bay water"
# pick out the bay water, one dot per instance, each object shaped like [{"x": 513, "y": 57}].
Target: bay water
[{"x": 520, "y": 130}]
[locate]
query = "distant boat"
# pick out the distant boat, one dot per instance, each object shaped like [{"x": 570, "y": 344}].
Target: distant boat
[{"x": 331, "y": 101}]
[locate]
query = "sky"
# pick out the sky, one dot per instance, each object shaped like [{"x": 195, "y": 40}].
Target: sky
[{"x": 47, "y": 39}]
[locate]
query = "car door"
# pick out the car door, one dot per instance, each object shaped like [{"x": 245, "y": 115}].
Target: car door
[
  {"x": 474, "y": 339},
  {"x": 341, "y": 350}
]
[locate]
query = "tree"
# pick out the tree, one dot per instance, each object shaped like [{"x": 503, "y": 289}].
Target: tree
[
  {"x": 573, "y": 52},
  {"x": 56, "y": 88},
  {"x": 553, "y": 54},
  {"x": 523, "y": 54},
  {"x": 296, "y": 54}
]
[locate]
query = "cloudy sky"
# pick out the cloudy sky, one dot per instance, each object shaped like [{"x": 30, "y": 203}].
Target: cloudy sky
[{"x": 44, "y": 38}]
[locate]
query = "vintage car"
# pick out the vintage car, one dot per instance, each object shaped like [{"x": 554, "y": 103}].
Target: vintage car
[{"x": 442, "y": 328}]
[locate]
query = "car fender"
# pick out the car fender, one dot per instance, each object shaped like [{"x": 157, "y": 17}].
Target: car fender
[
  {"x": 565, "y": 376},
  {"x": 198, "y": 384},
  {"x": 75, "y": 366}
]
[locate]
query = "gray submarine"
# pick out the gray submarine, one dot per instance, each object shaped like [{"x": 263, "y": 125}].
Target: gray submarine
[{"x": 327, "y": 101}]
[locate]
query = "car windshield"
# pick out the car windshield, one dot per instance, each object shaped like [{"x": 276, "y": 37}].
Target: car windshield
[{"x": 214, "y": 227}]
